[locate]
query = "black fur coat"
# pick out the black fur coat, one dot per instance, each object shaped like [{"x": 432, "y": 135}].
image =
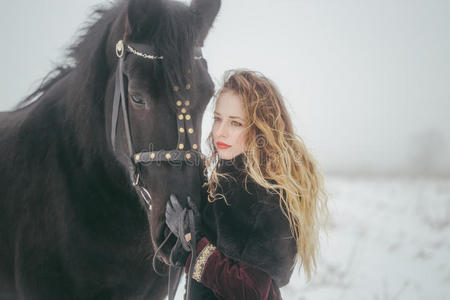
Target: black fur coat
[{"x": 250, "y": 225}]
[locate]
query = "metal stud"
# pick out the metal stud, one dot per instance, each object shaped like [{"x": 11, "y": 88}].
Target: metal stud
[
  {"x": 187, "y": 102},
  {"x": 188, "y": 86},
  {"x": 181, "y": 129},
  {"x": 137, "y": 157},
  {"x": 180, "y": 117},
  {"x": 191, "y": 130},
  {"x": 181, "y": 146},
  {"x": 188, "y": 155},
  {"x": 119, "y": 48},
  {"x": 168, "y": 156},
  {"x": 195, "y": 146},
  {"x": 188, "y": 117},
  {"x": 183, "y": 110},
  {"x": 152, "y": 155},
  {"x": 176, "y": 88},
  {"x": 179, "y": 103}
]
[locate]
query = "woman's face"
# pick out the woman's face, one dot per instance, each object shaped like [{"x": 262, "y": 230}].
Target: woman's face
[{"x": 228, "y": 130}]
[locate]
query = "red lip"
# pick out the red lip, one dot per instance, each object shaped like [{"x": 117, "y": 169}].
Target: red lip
[{"x": 221, "y": 145}]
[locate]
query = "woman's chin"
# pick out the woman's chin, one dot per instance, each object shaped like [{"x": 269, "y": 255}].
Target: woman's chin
[{"x": 226, "y": 153}]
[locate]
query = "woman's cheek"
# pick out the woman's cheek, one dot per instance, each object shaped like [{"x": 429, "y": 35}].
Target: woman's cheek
[
  {"x": 214, "y": 130},
  {"x": 240, "y": 139}
]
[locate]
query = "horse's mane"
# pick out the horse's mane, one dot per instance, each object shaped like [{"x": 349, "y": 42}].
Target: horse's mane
[
  {"x": 98, "y": 23},
  {"x": 173, "y": 37}
]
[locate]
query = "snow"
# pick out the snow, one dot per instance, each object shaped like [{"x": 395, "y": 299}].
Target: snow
[{"x": 388, "y": 238}]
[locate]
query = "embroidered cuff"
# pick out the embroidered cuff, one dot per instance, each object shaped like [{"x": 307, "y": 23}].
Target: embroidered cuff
[{"x": 201, "y": 261}]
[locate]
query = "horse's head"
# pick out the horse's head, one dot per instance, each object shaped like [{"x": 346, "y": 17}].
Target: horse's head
[{"x": 156, "y": 99}]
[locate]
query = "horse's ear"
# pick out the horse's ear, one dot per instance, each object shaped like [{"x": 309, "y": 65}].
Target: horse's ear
[
  {"x": 205, "y": 12},
  {"x": 143, "y": 16}
]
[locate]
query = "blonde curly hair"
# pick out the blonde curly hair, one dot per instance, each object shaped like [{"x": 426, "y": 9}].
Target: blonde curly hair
[{"x": 277, "y": 159}]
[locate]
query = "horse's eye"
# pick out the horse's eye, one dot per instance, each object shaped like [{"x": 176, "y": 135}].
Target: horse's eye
[{"x": 137, "y": 100}]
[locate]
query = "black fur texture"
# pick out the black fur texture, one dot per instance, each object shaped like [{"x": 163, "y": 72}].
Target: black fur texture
[
  {"x": 250, "y": 225},
  {"x": 71, "y": 224}
]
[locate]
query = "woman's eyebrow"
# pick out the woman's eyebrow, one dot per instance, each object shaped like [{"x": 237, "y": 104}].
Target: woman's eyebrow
[{"x": 231, "y": 117}]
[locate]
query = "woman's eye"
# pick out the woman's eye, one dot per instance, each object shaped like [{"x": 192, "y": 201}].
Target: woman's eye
[
  {"x": 236, "y": 123},
  {"x": 137, "y": 100},
  {"x": 216, "y": 118}
]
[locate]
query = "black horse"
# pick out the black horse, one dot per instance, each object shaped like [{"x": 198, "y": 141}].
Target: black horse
[{"x": 79, "y": 155}]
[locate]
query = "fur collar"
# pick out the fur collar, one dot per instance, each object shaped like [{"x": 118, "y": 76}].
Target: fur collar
[{"x": 250, "y": 225}]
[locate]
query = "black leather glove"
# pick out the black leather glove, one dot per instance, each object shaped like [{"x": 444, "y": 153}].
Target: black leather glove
[
  {"x": 178, "y": 255},
  {"x": 178, "y": 220},
  {"x": 197, "y": 218}
]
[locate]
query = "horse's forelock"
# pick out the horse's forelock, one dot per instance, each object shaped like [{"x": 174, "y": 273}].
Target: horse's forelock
[{"x": 172, "y": 35}]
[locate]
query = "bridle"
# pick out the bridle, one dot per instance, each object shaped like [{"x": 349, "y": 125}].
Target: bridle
[{"x": 182, "y": 154}]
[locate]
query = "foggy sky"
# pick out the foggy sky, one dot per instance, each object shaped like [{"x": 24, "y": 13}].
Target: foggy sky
[{"x": 366, "y": 82}]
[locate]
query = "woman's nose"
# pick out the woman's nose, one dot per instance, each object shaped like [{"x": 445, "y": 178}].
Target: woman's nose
[{"x": 222, "y": 129}]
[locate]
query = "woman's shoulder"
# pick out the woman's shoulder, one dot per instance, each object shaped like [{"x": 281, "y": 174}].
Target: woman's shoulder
[
  {"x": 270, "y": 209},
  {"x": 263, "y": 197}
]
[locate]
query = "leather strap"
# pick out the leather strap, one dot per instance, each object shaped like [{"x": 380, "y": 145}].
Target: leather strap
[
  {"x": 193, "y": 244},
  {"x": 191, "y": 136},
  {"x": 162, "y": 155},
  {"x": 124, "y": 109},
  {"x": 115, "y": 108},
  {"x": 174, "y": 274},
  {"x": 143, "y": 48},
  {"x": 174, "y": 270}
]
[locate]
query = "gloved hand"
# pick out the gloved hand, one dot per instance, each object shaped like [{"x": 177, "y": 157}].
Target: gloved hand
[
  {"x": 197, "y": 218},
  {"x": 178, "y": 255},
  {"x": 177, "y": 219}
]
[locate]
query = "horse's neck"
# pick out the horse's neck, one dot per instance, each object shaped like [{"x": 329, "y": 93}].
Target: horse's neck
[{"x": 73, "y": 132}]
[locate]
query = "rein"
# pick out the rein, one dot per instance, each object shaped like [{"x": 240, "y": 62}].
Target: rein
[{"x": 182, "y": 154}]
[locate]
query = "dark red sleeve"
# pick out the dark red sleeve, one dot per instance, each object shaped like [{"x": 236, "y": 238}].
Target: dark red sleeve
[{"x": 232, "y": 279}]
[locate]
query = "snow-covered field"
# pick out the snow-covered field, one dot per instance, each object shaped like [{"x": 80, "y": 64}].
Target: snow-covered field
[{"x": 387, "y": 239}]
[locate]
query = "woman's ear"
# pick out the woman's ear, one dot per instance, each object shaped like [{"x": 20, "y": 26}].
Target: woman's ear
[
  {"x": 143, "y": 17},
  {"x": 205, "y": 12}
]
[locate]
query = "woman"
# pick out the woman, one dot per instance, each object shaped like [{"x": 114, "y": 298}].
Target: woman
[{"x": 264, "y": 201}]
